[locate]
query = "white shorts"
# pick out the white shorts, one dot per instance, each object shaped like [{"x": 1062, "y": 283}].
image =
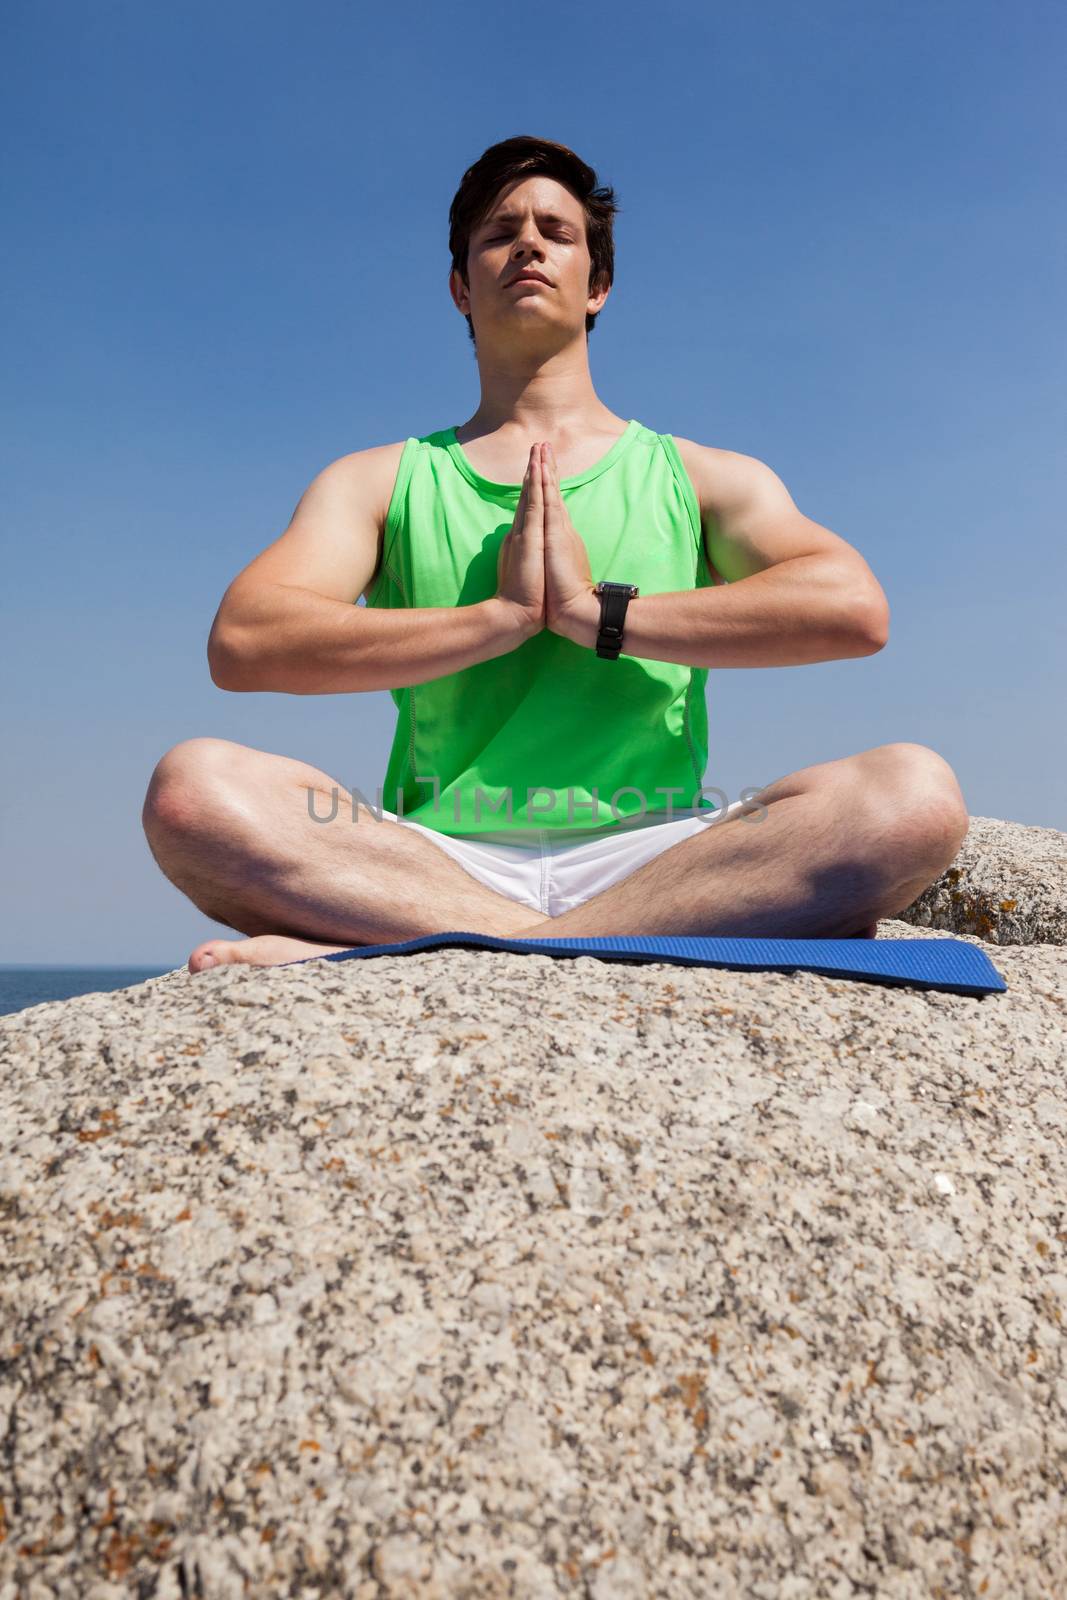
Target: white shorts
[{"x": 558, "y": 870}]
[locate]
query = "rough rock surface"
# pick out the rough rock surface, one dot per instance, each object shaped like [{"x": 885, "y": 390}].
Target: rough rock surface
[
  {"x": 1008, "y": 884},
  {"x": 477, "y": 1274}
]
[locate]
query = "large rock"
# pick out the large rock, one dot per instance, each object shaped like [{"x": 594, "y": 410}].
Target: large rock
[
  {"x": 469, "y": 1273},
  {"x": 1008, "y": 884}
]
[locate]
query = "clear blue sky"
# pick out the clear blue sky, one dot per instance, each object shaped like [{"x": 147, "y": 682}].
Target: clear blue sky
[{"x": 841, "y": 250}]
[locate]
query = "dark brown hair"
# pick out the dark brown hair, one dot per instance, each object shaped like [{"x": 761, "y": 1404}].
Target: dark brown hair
[{"x": 525, "y": 157}]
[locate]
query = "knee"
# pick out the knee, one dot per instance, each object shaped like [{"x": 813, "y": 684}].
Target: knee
[
  {"x": 183, "y": 779},
  {"x": 919, "y": 803}
]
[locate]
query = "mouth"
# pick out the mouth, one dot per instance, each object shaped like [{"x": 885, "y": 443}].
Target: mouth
[{"x": 529, "y": 277}]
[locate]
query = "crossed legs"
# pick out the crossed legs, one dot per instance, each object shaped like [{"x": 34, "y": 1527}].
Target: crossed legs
[
  {"x": 822, "y": 852},
  {"x": 232, "y": 827}
]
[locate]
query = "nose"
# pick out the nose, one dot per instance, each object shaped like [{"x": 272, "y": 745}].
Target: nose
[{"x": 529, "y": 244}]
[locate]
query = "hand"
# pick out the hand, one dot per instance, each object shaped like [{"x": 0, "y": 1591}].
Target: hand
[
  {"x": 568, "y": 580},
  {"x": 520, "y": 565}
]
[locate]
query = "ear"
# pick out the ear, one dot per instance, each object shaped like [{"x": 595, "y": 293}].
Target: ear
[
  {"x": 458, "y": 290},
  {"x": 598, "y": 297}
]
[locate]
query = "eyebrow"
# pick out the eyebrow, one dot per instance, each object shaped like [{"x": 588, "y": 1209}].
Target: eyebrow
[{"x": 510, "y": 216}]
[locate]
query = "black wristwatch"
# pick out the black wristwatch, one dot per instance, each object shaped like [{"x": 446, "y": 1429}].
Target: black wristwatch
[{"x": 614, "y": 599}]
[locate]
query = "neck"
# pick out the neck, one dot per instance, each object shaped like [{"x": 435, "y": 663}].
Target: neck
[{"x": 546, "y": 399}]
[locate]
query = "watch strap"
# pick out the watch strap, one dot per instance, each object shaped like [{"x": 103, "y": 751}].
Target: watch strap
[{"x": 614, "y": 600}]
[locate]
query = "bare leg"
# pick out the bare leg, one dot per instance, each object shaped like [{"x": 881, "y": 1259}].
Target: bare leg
[
  {"x": 230, "y": 826},
  {"x": 838, "y": 846}
]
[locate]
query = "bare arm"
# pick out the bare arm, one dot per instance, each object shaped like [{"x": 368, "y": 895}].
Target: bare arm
[
  {"x": 289, "y": 622},
  {"x": 798, "y": 613},
  {"x": 792, "y": 592}
]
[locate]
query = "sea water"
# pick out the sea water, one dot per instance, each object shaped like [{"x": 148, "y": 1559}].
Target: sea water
[{"x": 22, "y": 986}]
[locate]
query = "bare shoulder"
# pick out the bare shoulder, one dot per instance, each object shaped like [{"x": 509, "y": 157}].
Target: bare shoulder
[
  {"x": 719, "y": 477},
  {"x": 750, "y": 521},
  {"x": 372, "y": 474}
]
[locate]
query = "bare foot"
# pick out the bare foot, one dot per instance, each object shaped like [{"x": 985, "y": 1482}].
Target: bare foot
[{"x": 265, "y": 950}]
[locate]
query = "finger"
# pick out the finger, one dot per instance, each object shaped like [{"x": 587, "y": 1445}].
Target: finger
[
  {"x": 524, "y": 493},
  {"x": 536, "y": 491},
  {"x": 550, "y": 488}
]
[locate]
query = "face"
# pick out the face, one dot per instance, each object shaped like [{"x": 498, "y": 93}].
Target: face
[{"x": 537, "y": 224}]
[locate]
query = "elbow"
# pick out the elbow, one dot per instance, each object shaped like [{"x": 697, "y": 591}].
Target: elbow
[
  {"x": 222, "y": 662},
  {"x": 221, "y": 679},
  {"x": 875, "y": 624}
]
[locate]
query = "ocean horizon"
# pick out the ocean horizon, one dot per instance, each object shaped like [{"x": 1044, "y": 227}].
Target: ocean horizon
[{"x": 23, "y": 984}]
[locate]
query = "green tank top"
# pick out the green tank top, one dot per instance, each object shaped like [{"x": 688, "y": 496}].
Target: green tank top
[{"x": 546, "y": 738}]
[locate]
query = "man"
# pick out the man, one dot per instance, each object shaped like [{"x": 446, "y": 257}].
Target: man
[{"x": 545, "y": 727}]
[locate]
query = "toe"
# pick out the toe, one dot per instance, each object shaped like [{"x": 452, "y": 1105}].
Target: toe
[{"x": 211, "y": 954}]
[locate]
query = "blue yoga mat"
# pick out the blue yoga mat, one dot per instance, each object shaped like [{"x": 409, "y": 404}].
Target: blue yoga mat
[{"x": 949, "y": 964}]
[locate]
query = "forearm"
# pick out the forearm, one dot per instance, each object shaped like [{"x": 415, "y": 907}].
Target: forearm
[
  {"x": 288, "y": 640},
  {"x": 792, "y": 614}
]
